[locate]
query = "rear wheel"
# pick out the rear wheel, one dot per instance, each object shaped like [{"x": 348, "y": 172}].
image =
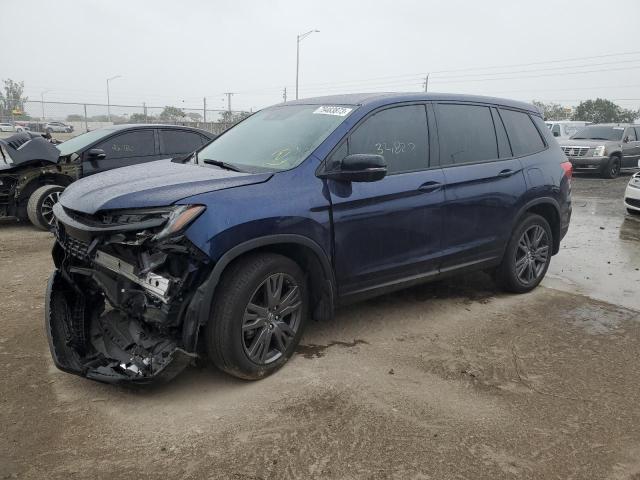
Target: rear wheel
[
  {"x": 258, "y": 316},
  {"x": 612, "y": 169},
  {"x": 527, "y": 256},
  {"x": 40, "y": 205}
]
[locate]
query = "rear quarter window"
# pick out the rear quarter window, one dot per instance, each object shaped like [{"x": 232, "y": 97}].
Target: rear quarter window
[{"x": 523, "y": 134}]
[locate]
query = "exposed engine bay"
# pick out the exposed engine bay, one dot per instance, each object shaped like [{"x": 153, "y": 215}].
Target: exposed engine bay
[{"x": 122, "y": 304}]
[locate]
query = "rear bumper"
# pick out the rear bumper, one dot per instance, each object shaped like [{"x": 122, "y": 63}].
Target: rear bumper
[{"x": 589, "y": 163}]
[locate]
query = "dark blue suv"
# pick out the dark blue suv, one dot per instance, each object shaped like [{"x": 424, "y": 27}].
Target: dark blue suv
[{"x": 300, "y": 208}]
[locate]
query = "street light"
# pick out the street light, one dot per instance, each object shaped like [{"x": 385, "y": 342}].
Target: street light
[
  {"x": 42, "y": 102},
  {"x": 108, "y": 99},
  {"x": 299, "y": 39}
]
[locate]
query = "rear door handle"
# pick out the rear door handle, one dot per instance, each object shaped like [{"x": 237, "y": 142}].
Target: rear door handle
[
  {"x": 507, "y": 172},
  {"x": 430, "y": 186}
]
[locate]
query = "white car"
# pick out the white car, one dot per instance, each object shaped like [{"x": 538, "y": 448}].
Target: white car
[
  {"x": 6, "y": 127},
  {"x": 563, "y": 129},
  {"x": 59, "y": 127},
  {"x": 632, "y": 194},
  {"x": 22, "y": 128}
]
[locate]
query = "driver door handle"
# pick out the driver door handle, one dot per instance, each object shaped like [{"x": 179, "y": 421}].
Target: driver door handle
[
  {"x": 430, "y": 186},
  {"x": 507, "y": 172}
]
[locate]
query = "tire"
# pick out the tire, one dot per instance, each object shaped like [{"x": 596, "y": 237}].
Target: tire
[
  {"x": 236, "y": 334},
  {"x": 40, "y": 205},
  {"x": 524, "y": 265},
  {"x": 631, "y": 211},
  {"x": 612, "y": 169}
]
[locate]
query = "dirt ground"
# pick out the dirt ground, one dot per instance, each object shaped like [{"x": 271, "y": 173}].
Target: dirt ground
[{"x": 450, "y": 380}]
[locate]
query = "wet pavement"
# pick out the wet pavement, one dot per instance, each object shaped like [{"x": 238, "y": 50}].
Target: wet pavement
[{"x": 447, "y": 380}]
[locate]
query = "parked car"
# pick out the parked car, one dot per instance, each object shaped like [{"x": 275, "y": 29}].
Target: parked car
[
  {"x": 632, "y": 194},
  {"x": 563, "y": 129},
  {"x": 22, "y": 128},
  {"x": 33, "y": 172},
  {"x": 604, "y": 148},
  {"x": 301, "y": 207},
  {"x": 7, "y": 127},
  {"x": 57, "y": 127}
]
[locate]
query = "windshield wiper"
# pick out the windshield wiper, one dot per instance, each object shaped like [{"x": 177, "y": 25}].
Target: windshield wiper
[{"x": 225, "y": 165}]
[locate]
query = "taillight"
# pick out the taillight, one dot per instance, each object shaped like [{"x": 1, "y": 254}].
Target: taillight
[{"x": 568, "y": 169}]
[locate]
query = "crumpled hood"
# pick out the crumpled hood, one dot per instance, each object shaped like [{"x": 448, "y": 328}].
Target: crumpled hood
[
  {"x": 152, "y": 184},
  {"x": 25, "y": 148}
]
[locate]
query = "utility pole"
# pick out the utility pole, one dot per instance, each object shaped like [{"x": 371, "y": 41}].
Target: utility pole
[
  {"x": 144, "y": 110},
  {"x": 426, "y": 83},
  {"x": 204, "y": 109},
  {"x": 299, "y": 38},
  {"x": 86, "y": 124},
  {"x": 229, "y": 94},
  {"x": 284, "y": 94},
  {"x": 42, "y": 102},
  {"x": 108, "y": 99}
]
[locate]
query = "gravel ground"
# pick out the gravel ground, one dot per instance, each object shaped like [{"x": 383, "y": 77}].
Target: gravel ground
[{"x": 446, "y": 380}]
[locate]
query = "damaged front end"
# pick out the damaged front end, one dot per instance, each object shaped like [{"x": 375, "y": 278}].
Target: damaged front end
[{"x": 121, "y": 303}]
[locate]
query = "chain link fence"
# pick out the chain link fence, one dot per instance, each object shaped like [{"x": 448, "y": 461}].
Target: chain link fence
[{"x": 76, "y": 118}]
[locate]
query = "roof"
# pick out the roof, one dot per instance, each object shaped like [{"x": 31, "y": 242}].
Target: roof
[
  {"x": 363, "y": 99},
  {"x": 133, "y": 126}
]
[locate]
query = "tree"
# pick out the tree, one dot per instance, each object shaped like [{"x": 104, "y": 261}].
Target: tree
[
  {"x": 12, "y": 99},
  {"x": 172, "y": 114},
  {"x": 140, "y": 118},
  {"x": 603, "y": 111},
  {"x": 194, "y": 116},
  {"x": 553, "y": 111}
]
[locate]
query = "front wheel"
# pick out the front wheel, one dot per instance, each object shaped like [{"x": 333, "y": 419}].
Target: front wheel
[
  {"x": 258, "y": 316},
  {"x": 527, "y": 256},
  {"x": 40, "y": 206},
  {"x": 612, "y": 169}
]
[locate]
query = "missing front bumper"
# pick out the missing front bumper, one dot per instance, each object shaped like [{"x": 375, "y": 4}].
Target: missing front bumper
[{"x": 105, "y": 346}]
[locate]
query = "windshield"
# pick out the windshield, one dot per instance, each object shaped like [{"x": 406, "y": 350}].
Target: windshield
[
  {"x": 277, "y": 138},
  {"x": 600, "y": 132},
  {"x": 78, "y": 143}
]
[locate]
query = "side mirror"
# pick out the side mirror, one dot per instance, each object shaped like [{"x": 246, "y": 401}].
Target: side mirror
[
  {"x": 359, "y": 167},
  {"x": 96, "y": 154}
]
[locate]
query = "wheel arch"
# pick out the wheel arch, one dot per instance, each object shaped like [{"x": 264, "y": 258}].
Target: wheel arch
[
  {"x": 305, "y": 252},
  {"x": 41, "y": 180},
  {"x": 547, "y": 208}
]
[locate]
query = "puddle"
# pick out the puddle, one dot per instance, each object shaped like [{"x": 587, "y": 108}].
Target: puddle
[
  {"x": 316, "y": 351},
  {"x": 597, "y": 320}
]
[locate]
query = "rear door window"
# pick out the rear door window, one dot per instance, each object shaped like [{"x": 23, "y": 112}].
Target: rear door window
[
  {"x": 523, "y": 134},
  {"x": 399, "y": 134},
  {"x": 631, "y": 134},
  {"x": 180, "y": 141},
  {"x": 466, "y": 134},
  {"x": 139, "y": 143}
]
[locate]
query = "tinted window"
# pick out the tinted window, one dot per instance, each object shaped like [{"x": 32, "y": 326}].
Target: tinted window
[
  {"x": 637, "y": 132},
  {"x": 466, "y": 134},
  {"x": 180, "y": 141},
  {"x": 133, "y": 144},
  {"x": 631, "y": 133},
  {"x": 523, "y": 134},
  {"x": 398, "y": 134},
  {"x": 600, "y": 132}
]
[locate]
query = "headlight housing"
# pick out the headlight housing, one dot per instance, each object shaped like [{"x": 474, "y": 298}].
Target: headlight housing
[
  {"x": 599, "y": 151},
  {"x": 179, "y": 219}
]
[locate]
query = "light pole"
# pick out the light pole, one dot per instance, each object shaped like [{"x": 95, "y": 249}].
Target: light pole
[
  {"x": 108, "y": 99},
  {"x": 42, "y": 102},
  {"x": 298, "y": 40}
]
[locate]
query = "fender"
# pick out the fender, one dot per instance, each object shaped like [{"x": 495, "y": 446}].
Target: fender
[
  {"x": 540, "y": 201},
  {"x": 197, "y": 313}
]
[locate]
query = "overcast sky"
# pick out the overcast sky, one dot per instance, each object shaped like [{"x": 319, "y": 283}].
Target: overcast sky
[{"x": 175, "y": 52}]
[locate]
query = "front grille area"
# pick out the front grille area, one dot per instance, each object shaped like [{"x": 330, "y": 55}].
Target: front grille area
[
  {"x": 634, "y": 202},
  {"x": 74, "y": 247},
  {"x": 575, "y": 151}
]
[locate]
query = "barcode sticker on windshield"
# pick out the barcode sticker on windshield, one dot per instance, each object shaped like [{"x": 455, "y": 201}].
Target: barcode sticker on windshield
[{"x": 333, "y": 110}]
